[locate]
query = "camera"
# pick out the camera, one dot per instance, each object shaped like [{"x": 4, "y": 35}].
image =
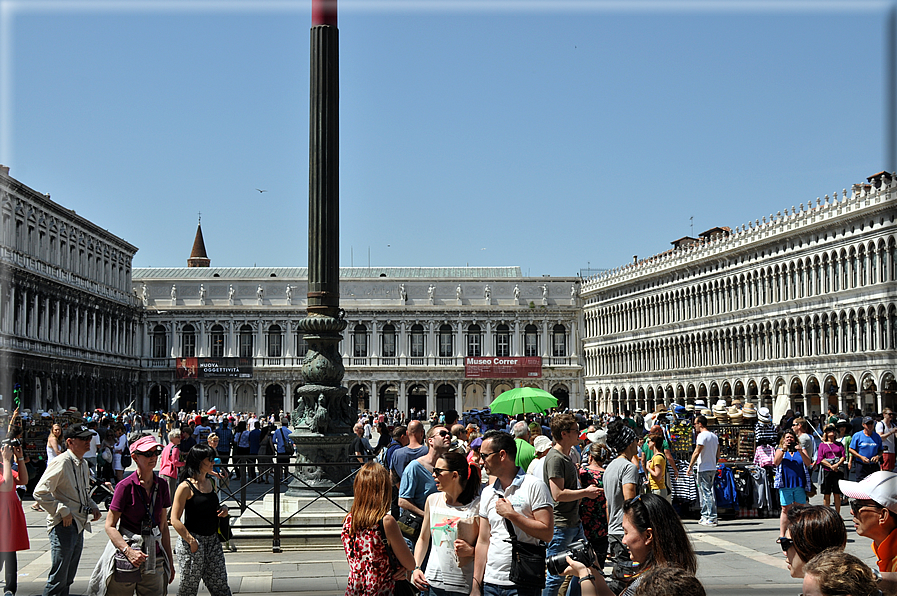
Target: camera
[
  {"x": 579, "y": 551},
  {"x": 11, "y": 442}
]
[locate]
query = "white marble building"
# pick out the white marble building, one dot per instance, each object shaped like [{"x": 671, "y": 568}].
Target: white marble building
[
  {"x": 800, "y": 303},
  {"x": 409, "y": 332},
  {"x": 68, "y": 320}
]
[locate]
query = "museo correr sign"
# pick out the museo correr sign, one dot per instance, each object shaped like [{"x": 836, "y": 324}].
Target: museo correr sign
[{"x": 503, "y": 367}]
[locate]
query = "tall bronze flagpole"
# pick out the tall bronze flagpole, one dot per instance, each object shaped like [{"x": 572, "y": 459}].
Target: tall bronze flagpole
[{"x": 323, "y": 417}]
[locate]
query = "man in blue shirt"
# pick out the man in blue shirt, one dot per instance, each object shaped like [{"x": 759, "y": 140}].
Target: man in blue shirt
[
  {"x": 418, "y": 482},
  {"x": 226, "y": 438},
  {"x": 866, "y": 448}
]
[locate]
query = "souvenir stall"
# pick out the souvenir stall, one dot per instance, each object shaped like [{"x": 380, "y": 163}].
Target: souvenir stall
[{"x": 744, "y": 481}]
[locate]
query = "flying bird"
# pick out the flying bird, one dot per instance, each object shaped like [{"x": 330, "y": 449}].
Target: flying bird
[{"x": 260, "y": 190}]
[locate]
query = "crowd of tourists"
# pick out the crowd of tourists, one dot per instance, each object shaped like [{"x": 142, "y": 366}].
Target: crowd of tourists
[
  {"x": 181, "y": 469},
  {"x": 564, "y": 503},
  {"x": 569, "y": 503}
]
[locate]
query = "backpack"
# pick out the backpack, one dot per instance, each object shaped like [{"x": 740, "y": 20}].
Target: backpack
[{"x": 288, "y": 448}]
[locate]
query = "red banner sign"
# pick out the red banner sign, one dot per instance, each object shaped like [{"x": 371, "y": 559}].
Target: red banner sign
[{"x": 502, "y": 367}]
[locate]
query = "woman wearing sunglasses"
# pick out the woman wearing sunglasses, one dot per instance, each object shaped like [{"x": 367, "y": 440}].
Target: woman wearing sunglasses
[
  {"x": 199, "y": 551},
  {"x": 451, "y": 522},
  {"x": 811, "y": 530},
  {"x": 137, "y": 527},
  {"x": 654, "y": 536},
  {"x": 792, "y": 477}
]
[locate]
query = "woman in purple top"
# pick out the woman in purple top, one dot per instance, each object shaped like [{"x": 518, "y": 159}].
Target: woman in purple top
[
  {"x": 830, "y": 457},
  {"x": 137, "y": 526}
]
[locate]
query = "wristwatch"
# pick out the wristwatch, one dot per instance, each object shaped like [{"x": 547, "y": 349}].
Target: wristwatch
[{"x": 589, "y": 577}]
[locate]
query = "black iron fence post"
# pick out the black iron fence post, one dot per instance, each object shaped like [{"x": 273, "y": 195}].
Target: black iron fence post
[{"x": 276, "y": 546}]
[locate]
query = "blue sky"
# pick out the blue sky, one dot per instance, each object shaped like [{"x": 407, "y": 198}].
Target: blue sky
[{"x": 553, "y": 136}]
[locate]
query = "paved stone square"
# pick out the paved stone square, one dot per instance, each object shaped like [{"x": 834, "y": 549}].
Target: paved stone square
[{"x": 740, "y": 556}]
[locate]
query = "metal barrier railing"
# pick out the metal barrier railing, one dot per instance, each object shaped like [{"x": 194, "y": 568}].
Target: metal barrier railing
[{"x": 283, "y": 474}]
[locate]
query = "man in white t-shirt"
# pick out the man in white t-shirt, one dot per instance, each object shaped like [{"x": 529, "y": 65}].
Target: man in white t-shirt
[
  {"x": 518, "y": 498},
  {"x": 706, "y": 456},
  {"x": 91, "y": 456}
]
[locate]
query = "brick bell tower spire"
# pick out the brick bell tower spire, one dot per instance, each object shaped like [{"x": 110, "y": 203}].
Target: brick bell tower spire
[{"x": 198, "y": 256}]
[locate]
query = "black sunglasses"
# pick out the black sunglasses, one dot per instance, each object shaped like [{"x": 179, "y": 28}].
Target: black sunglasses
[
  {"x": 153, "y": 453},
  {"x": 444, "y": 433},
  {"x": 786, "y": 543},
  {"x": 438, "y": 471},
  {"x": 857, "y": 505}
]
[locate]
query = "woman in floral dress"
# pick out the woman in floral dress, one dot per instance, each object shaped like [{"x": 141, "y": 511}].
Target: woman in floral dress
[
  {"x": 593, "y": 512},
  {"x": 370, "y": 533}
]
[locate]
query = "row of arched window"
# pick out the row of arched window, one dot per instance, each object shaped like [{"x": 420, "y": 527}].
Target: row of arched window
[
  {"x": 473, "y": 336},
  {"x": 850, "y": 331},
  {"x": 833, "y": 271},
  {"x": 388, "y": 340}
]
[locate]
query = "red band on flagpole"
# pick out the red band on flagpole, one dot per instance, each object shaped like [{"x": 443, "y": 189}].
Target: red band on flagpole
[{"x": 323, "y": 12}]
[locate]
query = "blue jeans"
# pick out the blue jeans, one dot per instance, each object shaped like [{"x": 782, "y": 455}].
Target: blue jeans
[
  {"x": 440, "y": 592},
  {"x": 495, "y": 590},
  {"x": 560, "y": 542},
  {"x": 705, "y": 491},
  {"x": 66, "y": 543}
]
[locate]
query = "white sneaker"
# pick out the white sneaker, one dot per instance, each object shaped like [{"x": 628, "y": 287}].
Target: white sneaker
[{"x": 705, "y": 522}]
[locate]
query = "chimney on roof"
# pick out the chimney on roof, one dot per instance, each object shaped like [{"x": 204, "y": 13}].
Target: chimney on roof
[
  {"x": 634, "y": 259},
  {"x": 4, "y": 170},
  {"x": 198, "y": 257},
  {"x": 877, "y": 179}
]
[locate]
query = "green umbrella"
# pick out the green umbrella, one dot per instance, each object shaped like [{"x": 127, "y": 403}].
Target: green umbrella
[{"x": 523, "y": 400}]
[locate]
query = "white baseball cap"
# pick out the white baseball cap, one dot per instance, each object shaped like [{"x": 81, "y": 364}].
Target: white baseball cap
[{"x": 880, "y": 487}]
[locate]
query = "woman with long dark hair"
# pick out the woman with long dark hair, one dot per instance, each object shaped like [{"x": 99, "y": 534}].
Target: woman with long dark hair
[
  {"x": 198, "y": 550},
  {"x": 451, "y": 520},
  {"x": 830, "y": 458},
  {"x": 654, "y": 536},
  {"x": 811, "y": 530},
  {"x": 385, "y": 437},
  {"x": 372, "y": 537}
]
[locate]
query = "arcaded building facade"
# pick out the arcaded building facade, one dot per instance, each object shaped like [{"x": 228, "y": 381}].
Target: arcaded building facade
[
  {"x": 800, "y": 303},
  {"x": 430, "y": 338},
  {"x": 69, "y": 322}
]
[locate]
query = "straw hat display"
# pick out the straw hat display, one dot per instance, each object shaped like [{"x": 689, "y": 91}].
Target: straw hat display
[
  {"x": 735, "y": 416},
  {"x": 749, "y": 410},
  {"x": 720, "y": 412}
]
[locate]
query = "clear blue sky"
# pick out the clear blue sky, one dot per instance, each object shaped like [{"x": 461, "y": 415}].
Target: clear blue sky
[{"x": 549, "y": 135}]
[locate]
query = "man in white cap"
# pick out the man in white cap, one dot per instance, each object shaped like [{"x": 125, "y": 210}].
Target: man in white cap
[
  {"x": 63, "y": 492},
  {"x": 873, "y": 503}
]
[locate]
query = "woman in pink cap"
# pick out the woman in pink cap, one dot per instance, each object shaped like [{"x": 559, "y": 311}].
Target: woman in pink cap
[{"x": 137, "y": 526}]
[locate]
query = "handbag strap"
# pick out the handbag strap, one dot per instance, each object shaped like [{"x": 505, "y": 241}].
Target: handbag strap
[
  {"x": 513, "y": 533},
  {"x": 393, "y": 559}
]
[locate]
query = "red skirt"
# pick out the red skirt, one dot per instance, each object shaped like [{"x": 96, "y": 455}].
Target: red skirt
[{"x": 14, "y": 536}]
